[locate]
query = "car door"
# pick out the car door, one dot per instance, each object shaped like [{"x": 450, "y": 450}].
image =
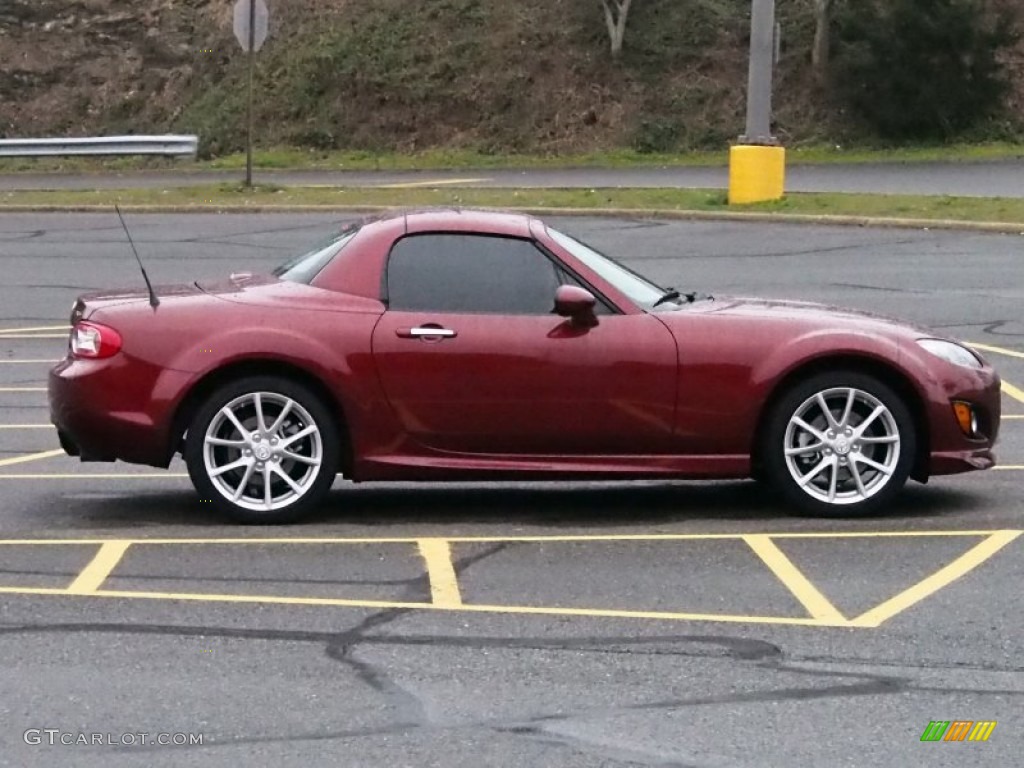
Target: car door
[{"x": 473, "y": 360}]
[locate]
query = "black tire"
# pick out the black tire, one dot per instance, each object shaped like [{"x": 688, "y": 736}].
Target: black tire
[
  {"x": 266, "y": 464},
  {"x": 842, "y": 454}
]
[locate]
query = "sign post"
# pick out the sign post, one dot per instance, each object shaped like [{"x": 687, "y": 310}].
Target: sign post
[{"x": 251, "y": 25}]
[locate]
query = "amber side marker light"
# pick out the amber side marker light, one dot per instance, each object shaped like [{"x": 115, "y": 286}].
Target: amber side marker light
[{"x": 966, "y": 418}]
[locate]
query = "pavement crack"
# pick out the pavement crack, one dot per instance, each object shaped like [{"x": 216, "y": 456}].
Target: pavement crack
[
  {"x": 988, "y": 327},
  {"x": 608, "y": 753},
  {"x": 343, "y": 647}
]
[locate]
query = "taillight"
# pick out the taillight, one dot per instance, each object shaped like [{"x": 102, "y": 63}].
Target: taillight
[{"x": 94, "y": 341}]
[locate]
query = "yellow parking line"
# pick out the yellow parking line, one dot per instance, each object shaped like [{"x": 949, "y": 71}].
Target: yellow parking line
[
  {"x": 1012, "y": 391},
  {"x": 997, "y": 350},
  {"x": 22, "y": 389},
  {"x": 435, "y": 183},
  {"x": 941, "y": 578},
  {"x": 528, "y": 610},
  {"x": 444, "y": 584},
  {"x": 809, "y": 596},
  {"x": 5, "y": 331},
  {"x": 31, "y": 457},
  {"x": 6, "y": 336},
  {"x": 88, "y": 475},
  {"x": 95, "y": 573},
  {"x": 499, "y": 539}
]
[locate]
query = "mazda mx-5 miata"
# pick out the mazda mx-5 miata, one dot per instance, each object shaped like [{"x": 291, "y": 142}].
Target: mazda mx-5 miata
[{"x": 470, "y": 345}]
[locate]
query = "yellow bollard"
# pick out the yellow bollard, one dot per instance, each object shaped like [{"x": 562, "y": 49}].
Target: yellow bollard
[{"x": 756, "y": 173}]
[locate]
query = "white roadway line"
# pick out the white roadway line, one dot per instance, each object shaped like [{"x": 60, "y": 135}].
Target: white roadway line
[{"x": 27, "y": 426}]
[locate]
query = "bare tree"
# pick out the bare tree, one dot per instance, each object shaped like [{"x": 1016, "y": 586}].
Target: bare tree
[
  {"x": 822, "y": 37},
  {"x": 615, "y": 14}
]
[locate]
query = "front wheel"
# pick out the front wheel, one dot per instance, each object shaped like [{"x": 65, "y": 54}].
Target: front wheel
[
  {"x": 263, "y": 449},
  {"x": 840, "y": 443}
]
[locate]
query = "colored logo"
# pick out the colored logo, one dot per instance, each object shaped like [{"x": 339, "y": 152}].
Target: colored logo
[{"x": 958, "y": 730}]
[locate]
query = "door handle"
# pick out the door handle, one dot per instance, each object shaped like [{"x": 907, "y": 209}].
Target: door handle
[{"x": 425, "y": 332}]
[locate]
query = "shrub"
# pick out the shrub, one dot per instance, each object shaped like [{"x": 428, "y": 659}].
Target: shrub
[{"x": 922, "y": 69}]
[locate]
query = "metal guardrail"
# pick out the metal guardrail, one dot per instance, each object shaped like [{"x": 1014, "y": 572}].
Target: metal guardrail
[{"x": 174, "y": 146}]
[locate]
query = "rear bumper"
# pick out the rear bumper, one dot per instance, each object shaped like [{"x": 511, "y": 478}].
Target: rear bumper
[{"x": 109, "y": 410}]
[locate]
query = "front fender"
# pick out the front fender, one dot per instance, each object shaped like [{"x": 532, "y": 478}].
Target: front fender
[{"x": 818, "y": 345}]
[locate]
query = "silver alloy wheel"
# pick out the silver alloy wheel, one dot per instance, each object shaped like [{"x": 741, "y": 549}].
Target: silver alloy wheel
[
  {"x": 263, "y": 451},
  {"x": 842, "y": 445}
]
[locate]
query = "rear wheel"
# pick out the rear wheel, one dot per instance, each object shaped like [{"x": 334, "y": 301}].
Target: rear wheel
[
  {"x": 263, "y": 449},
  {"x": 839, "y": 443}
]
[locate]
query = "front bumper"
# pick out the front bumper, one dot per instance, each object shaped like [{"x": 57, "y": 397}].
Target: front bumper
[{"x": 951, "y": 451}]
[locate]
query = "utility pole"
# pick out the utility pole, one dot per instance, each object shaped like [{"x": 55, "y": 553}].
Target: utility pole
[
  {"x": 759, "y": 75},
  {"x": 757, "y": 162}
]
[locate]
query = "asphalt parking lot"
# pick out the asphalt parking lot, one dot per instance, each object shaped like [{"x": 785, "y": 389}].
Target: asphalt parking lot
[{"x": 664, "y": 624}]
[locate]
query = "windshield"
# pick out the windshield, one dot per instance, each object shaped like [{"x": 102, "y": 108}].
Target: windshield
[
  {"x": 639, "y": 289},
  {"x": 302, "y": 269}
]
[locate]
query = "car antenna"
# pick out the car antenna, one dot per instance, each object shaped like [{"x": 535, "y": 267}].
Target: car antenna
[{"x": 154, "y": 302}]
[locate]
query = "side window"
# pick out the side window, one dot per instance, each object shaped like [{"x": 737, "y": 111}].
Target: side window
[{"x": 470, "y": 273}]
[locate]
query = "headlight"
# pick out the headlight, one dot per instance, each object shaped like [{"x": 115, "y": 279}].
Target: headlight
[{"x": 951, "y": 352}]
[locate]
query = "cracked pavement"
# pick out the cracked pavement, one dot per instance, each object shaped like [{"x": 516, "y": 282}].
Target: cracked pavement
[{"x": 306, "y": 685}]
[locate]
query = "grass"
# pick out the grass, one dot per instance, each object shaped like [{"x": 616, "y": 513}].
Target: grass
[
  {"x": 621, "y": 158},
  {"x": 285, "y": 158},
  {"x": 670, "y": 201}
]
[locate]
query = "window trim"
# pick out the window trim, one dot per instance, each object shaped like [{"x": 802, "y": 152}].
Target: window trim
[
  {"x": 557, "y": 265},
  {"x": 561, "y": 266}
]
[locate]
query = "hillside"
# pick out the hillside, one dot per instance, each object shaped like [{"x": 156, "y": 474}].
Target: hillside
[{"x": 512, "y": 76}]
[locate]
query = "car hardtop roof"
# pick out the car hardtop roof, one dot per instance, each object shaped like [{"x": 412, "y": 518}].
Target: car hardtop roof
[{"x": 420, "y": 221}]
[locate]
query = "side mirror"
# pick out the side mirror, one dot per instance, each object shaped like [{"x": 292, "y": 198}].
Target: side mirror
[{"x": 576, "y": 303}]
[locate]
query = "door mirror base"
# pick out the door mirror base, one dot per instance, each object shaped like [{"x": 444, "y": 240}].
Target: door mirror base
[{"x": 577, "y": 304}]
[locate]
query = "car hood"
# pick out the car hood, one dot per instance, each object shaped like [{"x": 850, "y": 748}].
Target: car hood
[{"x": 805, "y": 313}]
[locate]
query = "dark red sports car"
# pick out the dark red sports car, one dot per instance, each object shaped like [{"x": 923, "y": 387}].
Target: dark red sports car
[{"x": 466, "y": 345}]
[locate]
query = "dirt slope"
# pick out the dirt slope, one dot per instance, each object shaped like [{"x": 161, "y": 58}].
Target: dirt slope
[{"x": 516, "y": 75}]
